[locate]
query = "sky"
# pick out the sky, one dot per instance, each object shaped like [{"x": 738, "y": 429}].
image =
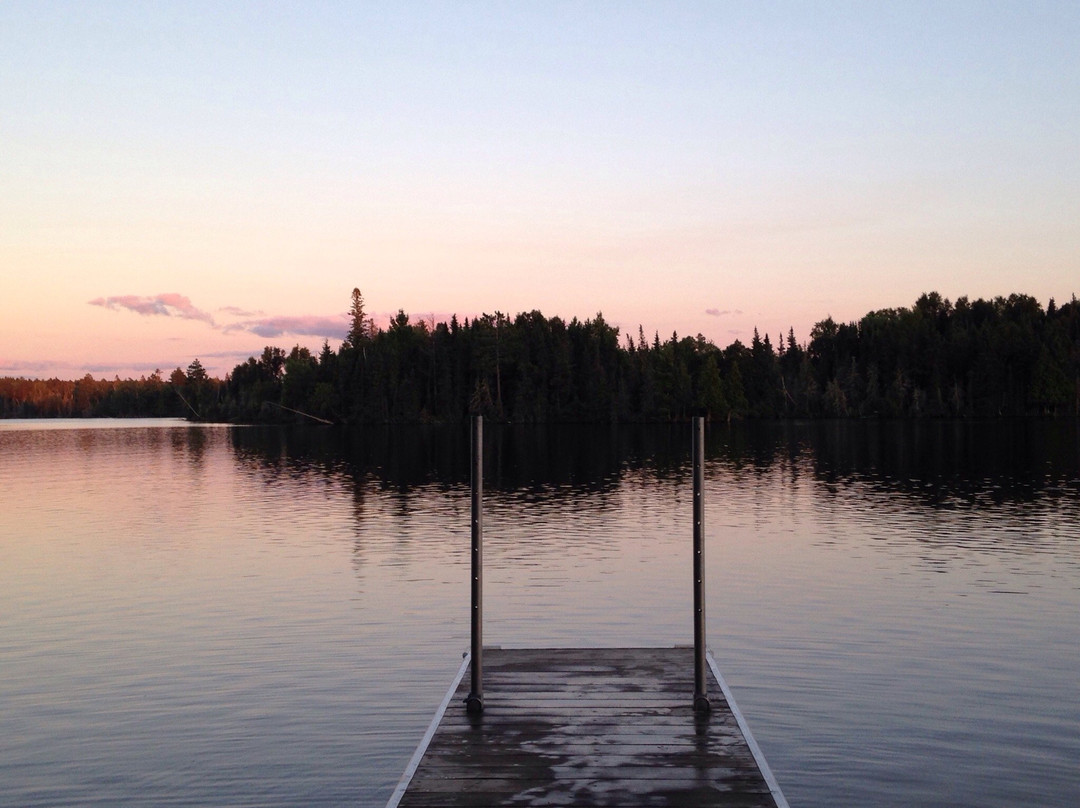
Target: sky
[{"x": 185, "y": 180}]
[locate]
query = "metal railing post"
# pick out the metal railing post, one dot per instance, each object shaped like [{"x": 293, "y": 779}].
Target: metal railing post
[
  {"x": 701, "y": 700},
  {"x": 475, "y": 700}
]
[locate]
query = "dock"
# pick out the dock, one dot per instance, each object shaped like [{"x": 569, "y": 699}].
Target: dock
[
  {"x": 588, "y": 727},
  {"x": 616, "y": 727}
]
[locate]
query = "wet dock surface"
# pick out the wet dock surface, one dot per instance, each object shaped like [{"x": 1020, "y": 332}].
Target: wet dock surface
[{"x": 589, "y": 727}]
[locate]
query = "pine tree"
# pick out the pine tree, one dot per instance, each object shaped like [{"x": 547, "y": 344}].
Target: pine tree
[
  {"x": 360, "y": 326},
  {"x": 196, "y": 373}
]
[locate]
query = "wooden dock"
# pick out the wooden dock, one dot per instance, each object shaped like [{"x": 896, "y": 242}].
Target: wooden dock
[
  {"x": 588, "y": 727},
  {"x": 619, "y": 727}
]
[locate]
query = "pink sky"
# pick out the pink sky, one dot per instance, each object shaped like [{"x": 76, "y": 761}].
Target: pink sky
[{"x": 179, "y": 185}]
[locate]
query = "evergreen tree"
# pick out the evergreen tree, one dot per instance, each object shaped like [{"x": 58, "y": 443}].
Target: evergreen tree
[{"x": 360, "y": 325}]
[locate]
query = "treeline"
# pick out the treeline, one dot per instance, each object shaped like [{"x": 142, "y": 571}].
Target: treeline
[
  {"x": 1000, "y": 357},
  {"x": 147, "y": 397}
]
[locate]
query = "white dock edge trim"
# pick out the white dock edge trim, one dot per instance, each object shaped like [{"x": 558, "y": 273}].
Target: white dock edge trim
[
  {"x": 418, "y": 755},
  {"x": 770, "y": 780}
]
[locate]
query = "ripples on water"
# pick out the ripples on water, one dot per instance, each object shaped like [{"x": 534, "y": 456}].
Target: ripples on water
[{"x": 241, "y": 616}]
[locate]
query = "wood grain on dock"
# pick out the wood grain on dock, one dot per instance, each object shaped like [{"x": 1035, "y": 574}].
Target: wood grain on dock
[{"x": 589, "y": 727}]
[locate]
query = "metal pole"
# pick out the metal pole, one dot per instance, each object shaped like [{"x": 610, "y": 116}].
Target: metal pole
[
  {"x": 701, "y": 700},
  {"x": 475, "y": 700}
]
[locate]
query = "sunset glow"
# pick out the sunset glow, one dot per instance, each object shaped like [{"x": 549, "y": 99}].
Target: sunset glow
[{"x": 182, "y": 180}]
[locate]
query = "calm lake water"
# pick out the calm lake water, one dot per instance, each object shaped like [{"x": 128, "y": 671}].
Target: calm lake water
[{"x": 210, "y": 615}]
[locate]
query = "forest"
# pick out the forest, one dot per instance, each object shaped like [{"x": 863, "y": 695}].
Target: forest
[{"x": 1007, "y": 356}]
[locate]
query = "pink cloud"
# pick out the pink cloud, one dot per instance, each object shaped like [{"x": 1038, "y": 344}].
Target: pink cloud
[
  {"x": 236, "y": 311},
  {"x": 168, "y": 304},
  {"x": 177, "y": 305},
  {"x": 335, "y": 327},
  {"x": 11, "y": 367}
]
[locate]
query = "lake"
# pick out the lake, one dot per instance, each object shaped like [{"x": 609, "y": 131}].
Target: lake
[{"x": 214, "y": 615}]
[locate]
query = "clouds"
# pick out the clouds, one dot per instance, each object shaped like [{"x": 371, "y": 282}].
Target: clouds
[
  {"x": 309, "y": 325},
  {"x": 169, "y": 304},
  {"x": 36, "y": 368},
  {"x": 722, "y": 313},
  {"x": 236, "y": 311},
  {"x": 172, "y": 304}
]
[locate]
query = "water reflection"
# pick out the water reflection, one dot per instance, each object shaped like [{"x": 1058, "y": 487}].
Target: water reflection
[
  {"x": 941, "y": 491},
  {"x": 404, "y": 457},
  {"x": 240, "y": 615},
  {"x": 938, "y": 464},
  {"x": 190, "y": 443},
  {"x": 866, "y": 574}
]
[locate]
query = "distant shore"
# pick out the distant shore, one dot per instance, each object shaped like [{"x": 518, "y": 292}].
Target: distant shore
[{"x": 1005, "y": 357}]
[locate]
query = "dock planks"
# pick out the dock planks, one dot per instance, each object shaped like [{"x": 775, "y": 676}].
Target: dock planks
[{"x": 588, "y": 727}]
